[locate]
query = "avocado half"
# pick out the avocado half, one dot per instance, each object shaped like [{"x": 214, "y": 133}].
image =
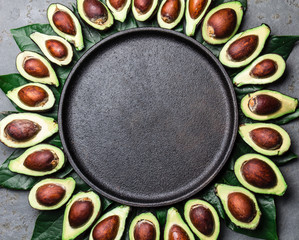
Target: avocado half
[
  {"x": 259, "y": 174},
  {"x": 167, "y": 21},
  {"x": 45, "y": 127},
  {"x": 246, "y": 132},
  {"x": 265, "y": 69},
  {"x": 75, "y": 38},
  {"x": 111, "y": 225},
  {"x": 26, "y": 91},
  {"x": 51, "y": 193},
  {"x": 22, "y": 163},
  {"x": 240, "y": 205},
  {"x": 266, "y": 104},
  {"x": 202, "y": 218},
  {"x": 145, "y": 222},
  {"x": 95, "y": 13},
  {"x": 80, "y": 213},
  {"x": 55, "y": 48},
  {"x": 175, "y": 226},
  {"x": 119, "y": 12},
  {"x": 36, "y": 62},
  {"x": 244, "y": 47},
  {"x": 227, "y": 13},
  {"x": 199, "y": 12},
  {"x": 146, "y": 12}
]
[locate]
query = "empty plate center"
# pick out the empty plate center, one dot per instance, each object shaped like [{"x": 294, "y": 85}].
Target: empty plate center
[{"x": 148, "y": 117}]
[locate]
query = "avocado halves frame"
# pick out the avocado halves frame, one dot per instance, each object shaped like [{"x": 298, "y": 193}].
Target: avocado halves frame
[{"x": 148, "y": 117}]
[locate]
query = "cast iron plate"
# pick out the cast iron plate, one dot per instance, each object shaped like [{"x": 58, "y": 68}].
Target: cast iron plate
[{"x": 148, "y": 117}]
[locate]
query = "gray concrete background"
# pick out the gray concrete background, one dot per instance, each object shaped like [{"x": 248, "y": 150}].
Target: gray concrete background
[{"x": 16, "y": 216}]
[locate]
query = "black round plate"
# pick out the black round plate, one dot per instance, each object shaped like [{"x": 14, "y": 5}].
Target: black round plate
[{"x": 148, "y": 117}]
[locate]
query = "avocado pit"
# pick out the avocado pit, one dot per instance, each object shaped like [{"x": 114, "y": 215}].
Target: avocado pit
[
  {"x": 33, "y": 96},
  {"x": 107, "y": 229},
  {"x": 95, "y": 11},
  {"x": 222, "y": 23},
  {"x": 50, "y": 194},
  {"x": 43, "y": 160},
  {"x": 64, "y": 22},
  {"x": 118, "y": 4},
  {"x": 80, "y": 212},
  {"x": 202, "y": 218},
  {"x": 258, "y": 173},
  {"x": 264, "y": 69},
  {"x": 243, "y": 48},
  {"x": 241, "y": 207},
  {"x": 170, "y": 10},
  {"x": 264, "y": 104},
  {"x": 266, "y": 138},
  {"x": 144, "y": 230},
  {"x": 196, "y": 7},
  {"x": 143, "y": 6},
  {"x": 21, "y": 129},
  {"x": 56, "y": 48},
  {"x": 177, "y": 233},
  {"x": 35, "y": 68}
]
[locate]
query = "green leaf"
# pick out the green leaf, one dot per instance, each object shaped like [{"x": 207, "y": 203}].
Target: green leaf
[
  {"x": 48, "y": 225},
  {"x": 288, "y": 118},
  {"x": 285, "y": 158},
  {"x": 282, "y": 45},
  {"x": 11, "y": 81}
]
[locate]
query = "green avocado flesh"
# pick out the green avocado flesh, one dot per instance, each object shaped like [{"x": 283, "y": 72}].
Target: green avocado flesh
[
  {"x": 80, "y": 213},
  {"x": 72, "y": 34},
  {"x": 218, "y": 18},
  {"x": 31, "y": 90},
  {"x": 202, "y": 218},
  {"x": 265, "y": 69},
  {"x": 266, "y": 104},
  {"x": 142, "y": 13},
  {"x": 55, "y": 48},
  {"x": 194, "y": 18},
  {"x": 240, "y": 205},
  {"x": 30, "y": 64},
  {"x": 265, "y": 138},
  {"x": 111, "y": 225},
  {"x": 145, "y": 222},
  {"x": 119, "y": 12},
  {"x": 87, "y": 9},
  {"x": 244, "y": 47},
  {"x": 35, "y": 161},
  {"x": 51, "y": 193},
  {"x": 259, "y": 174},
  {"x": 163, "y": 18},
  {"x": 22, "y": 130},
  {"x": 176, "y": 227}
]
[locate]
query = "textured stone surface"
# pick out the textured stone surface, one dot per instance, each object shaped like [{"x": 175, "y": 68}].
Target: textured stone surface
[{"x": 283, "y": 18}]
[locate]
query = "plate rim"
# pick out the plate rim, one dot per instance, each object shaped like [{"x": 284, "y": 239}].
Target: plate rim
[{"x": 227, "y": 153}]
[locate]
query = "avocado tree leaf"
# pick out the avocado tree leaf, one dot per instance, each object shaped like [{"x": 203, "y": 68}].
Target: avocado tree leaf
[
  {"x": 282, "y": 45},
  {"x": 287, "y": 118},
  {"x": 285, "y": 158},
  {"x": 48, "y": 225}
]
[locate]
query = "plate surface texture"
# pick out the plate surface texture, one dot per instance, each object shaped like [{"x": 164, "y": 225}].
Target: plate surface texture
[{"x": 148, "y": 117}]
